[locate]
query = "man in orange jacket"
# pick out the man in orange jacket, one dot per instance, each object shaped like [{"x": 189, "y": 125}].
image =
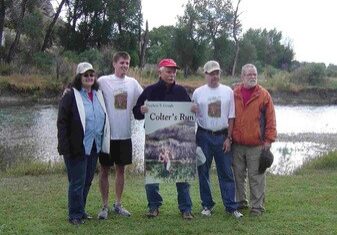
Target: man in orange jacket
[{"x": 254, "y": 129}]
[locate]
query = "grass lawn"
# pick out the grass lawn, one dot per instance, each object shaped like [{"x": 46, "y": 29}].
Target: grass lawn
[{"x": 298, "y": 204}]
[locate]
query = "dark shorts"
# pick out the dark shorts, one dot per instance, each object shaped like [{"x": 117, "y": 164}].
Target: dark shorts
[{"x": 120, "y": 153}]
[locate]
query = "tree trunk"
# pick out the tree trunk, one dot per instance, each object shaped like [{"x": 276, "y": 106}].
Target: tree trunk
[
  {"x": 235, "y": 58},
  {"x": 12, "y": 49},
  {"x": 144, "y": 40},
  {"x": 2, "y": 19},
  {"x": 236, "y": 31},
  {"x": 51, "y": 26}
]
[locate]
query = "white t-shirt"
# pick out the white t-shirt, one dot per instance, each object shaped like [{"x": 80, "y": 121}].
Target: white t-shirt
[
  {"x": 120, "y": 96},
  {"x": 215, "y": 106}
]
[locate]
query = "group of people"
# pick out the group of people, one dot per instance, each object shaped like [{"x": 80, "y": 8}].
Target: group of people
[{"x": 94, "y": 124}]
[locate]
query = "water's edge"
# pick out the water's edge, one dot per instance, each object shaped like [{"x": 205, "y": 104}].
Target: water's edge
[{"x": 310, "y": 96}]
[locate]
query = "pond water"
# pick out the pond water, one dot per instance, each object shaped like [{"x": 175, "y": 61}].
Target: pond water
[{"x": 304, "y": 132}]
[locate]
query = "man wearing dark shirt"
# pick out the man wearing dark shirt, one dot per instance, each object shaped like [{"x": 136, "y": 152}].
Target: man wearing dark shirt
[{"x": 164, "y": 90}]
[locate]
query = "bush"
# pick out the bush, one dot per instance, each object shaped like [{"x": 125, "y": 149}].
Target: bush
[
  {"x": 43, "y": 61},
  {"x": 105, "y": 62},
  {"x": 331, "y": 70},
  {"x": 269, "y": 71},
  {"x": 311, "y": 74},
  {"x": 92, "y": 56},
  {"x": 5, "y": 69}
]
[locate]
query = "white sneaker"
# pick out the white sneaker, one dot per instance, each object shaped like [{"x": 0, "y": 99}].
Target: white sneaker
[
  {"x": 103, "y": 214},
  {"x": 120, "y": 210},
  {"x": 237, "y": 214},
  {"x": 206, "y": 212}
]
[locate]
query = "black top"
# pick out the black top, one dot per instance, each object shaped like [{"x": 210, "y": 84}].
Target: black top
[{"x": 160, "y": 92}]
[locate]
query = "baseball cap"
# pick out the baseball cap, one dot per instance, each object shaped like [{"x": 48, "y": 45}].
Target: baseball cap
[
  {"x": 211, "y": 66},
  {"x": 84, "y": 67},
  {"x": 266, "y": 160},
  {"x": 168, "y": 63}
]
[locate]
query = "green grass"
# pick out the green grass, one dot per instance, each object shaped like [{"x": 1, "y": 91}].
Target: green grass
[
  {"x": 323, "y": 164},
  {"x": 304, "y": 203}
]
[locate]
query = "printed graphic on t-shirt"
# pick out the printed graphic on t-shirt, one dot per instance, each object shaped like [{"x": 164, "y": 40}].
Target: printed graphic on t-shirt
[
  {"x": 121, "y": 100},
  {"x": 214, "y": 109}
]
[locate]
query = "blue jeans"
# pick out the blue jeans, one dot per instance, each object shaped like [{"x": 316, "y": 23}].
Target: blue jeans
[
  {"x": 212, "y": 146},
  {"x": 80, "y": 175},
  {"x": 155, "y": 200}
]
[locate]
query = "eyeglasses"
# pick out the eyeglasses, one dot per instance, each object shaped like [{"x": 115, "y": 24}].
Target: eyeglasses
[{"x": 89, "y": 75}]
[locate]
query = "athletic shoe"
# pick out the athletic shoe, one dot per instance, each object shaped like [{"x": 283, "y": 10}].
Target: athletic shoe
[
  {"x": 103, "y": 214},
  {"x": 206, "y": 212},
  {"x": 237, "y": 214},
  {"x": 117, "y": 208},
  {"x": 187, "y": 215},
  {"x": 152, "y": 213}
]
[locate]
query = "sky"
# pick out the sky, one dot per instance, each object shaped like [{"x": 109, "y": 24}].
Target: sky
[{"x": 309, "y": 25}]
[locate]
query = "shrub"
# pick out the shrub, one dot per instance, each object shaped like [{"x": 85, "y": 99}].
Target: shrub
[
  {"x": 331, "y": 70},
  {"x": 269, "y": 71},
  {"x": 5, "y": 69},
  {"x": 92, "y": 56},
  {"x": 43, "y": 61},
  {"x": 311, "y": 74},
  {"x": 105, "y": 61}
]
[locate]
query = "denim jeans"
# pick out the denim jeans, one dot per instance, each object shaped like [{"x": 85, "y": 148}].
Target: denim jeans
[
  {"x": 80, "y": 175},
  {"x": 155, "y": 200},
  {"x": 212, "y": 146}
]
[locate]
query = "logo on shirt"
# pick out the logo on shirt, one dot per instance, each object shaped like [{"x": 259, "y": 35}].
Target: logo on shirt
[
  {"x": 214, "y": 109},
  {"x": 121, "y": 100}
]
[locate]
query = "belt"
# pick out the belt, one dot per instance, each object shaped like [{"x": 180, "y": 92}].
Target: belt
[{"x": 219, "y": 132}]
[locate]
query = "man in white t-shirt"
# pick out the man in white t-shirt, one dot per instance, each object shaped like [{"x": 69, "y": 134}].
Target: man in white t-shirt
[
  {"x": 215, "y": 113},
  {"x": 120, "y": 94}
]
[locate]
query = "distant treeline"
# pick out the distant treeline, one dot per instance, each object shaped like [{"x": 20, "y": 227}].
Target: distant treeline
[{"x": 35, "y": 39}]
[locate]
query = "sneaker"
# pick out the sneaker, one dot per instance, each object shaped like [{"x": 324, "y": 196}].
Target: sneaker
[
  {"x": 86, "y": 216},
  {"x": 103, "y": 214},
  {"x": 237, "y": 214},
  {"x": 117, "y": 208},
  {"x": 152, "y": 213},
  {"x": 206, "y": 212},
  {"x": 187, "y": 215},
  {"x": 76, "y": 221},
  {"x": 255, "y": 213}
]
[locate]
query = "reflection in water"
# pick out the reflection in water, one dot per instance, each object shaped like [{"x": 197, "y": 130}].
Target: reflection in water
[
  {"x": 29, "y": 133},
  {"x": 288, "y": 156}
]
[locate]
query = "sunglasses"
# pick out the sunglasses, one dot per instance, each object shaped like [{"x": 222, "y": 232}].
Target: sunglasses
[{"x": 89, "y": 75}]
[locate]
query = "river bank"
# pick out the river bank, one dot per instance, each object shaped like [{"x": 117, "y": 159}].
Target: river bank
[
  {"x": 308, "y": 96},
  {"x": 38, "y": 205}
]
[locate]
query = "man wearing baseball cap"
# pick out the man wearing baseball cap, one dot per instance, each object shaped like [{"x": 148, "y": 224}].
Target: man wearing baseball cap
[
  {"x": 164, "y": 90},
  {"x": 215, "y": 112}
]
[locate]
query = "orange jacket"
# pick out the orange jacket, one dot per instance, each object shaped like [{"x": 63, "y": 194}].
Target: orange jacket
[{"x": 255, "y": 122}]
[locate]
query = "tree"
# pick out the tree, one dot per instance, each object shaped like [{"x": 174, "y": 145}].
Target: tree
[
  {"x": 2, "y": 18},
  {"x": 19, "y": 24},
  {"x": 4, "y": 4},
  {"x": 161, "y": 43},
  {"x": 266, "y": 48},
  {"x": 143, "y": 42},
  {"x": 237, "y": 28},
  {"x": 126, "y": 16},
  {"x": 94, "y": 24},
  {"x": 50, "y": 28},
  {"x": 189, "y": 46},
  {"x": 215, "y": 20}
]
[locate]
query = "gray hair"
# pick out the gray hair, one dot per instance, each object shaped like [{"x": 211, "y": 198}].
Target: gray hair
[{"x": 246, "y": 67}]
